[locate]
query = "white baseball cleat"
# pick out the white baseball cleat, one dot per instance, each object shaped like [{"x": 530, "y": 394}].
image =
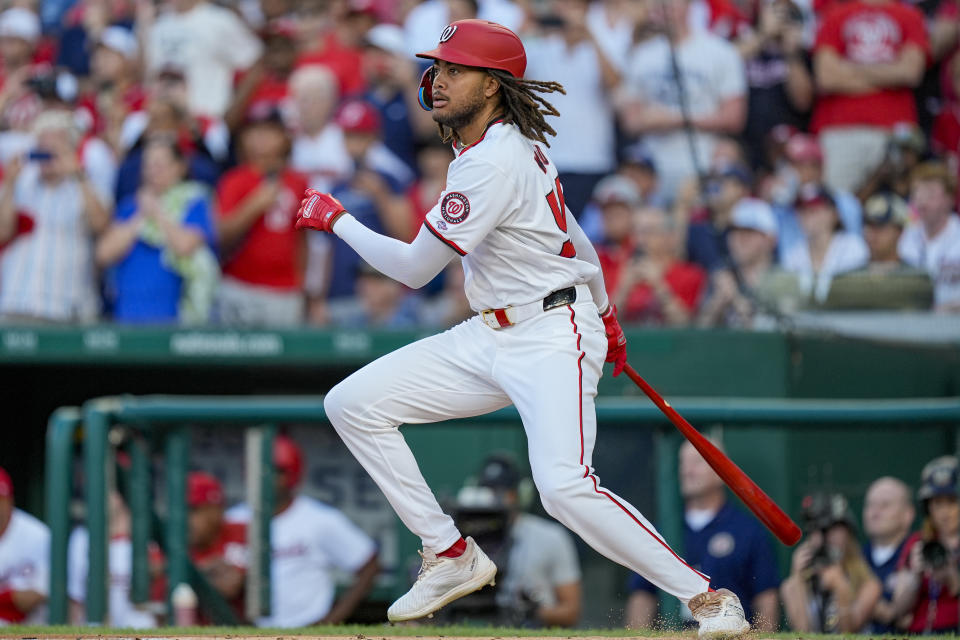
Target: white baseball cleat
[
  {"x": 442, "y": 580},
  {"x": 719, "y": 613}
]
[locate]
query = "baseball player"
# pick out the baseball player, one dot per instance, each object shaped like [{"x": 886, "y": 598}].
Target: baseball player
[
  {"x": 542, "y": 330},
  {"x": 24, "y": 550}
]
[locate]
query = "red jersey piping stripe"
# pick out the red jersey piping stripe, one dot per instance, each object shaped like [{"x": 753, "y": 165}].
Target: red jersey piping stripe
[
  {"x": 449, "y": 243},
  {"x": 586, "y": 469},
  {"x": 480, "y": 139}
]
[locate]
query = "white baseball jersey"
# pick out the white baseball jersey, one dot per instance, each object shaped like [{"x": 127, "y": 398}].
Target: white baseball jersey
[
  {"x": 122, "y": 612},
  {"x": 503, "y": 211},
  {"x": 309, "y": 541},
  {"x": 24, "y": 557},
  {"x": 940, "y": 257}
]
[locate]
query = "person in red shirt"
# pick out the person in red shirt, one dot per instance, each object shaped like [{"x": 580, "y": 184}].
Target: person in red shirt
[
  {"x": 657, "y": 287},
  {"x": 927, "y": 579},
  {"x": 945, "y": 138},
  {"x": 618, "y": 199},
  {"x": 217, "y": 548},
  {"x": 868, "y": 58},
  {"x": 264, "y": 87},
  {"x": 263, "y": 256}
]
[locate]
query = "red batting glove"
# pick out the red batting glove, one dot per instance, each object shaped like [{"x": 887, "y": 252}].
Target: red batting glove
[
  {"x": 319, "y": 211},
  {"x": 616, "y": 341}
]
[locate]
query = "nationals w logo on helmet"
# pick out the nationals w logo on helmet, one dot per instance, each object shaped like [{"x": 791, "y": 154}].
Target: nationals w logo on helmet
[
  {"x": 448, "y": 32},
  {"x": 455, "y": 207}
]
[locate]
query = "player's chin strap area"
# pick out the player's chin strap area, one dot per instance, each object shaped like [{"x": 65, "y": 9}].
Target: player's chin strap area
[{"x": 511, "y": 315}]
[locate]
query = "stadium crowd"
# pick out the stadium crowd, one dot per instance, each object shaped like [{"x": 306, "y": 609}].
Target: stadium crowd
[{"x": 733, "y": 160}]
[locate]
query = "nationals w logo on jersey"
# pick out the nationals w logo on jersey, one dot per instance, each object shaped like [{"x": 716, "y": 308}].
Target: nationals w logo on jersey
[{"x": 455, "y": 207}]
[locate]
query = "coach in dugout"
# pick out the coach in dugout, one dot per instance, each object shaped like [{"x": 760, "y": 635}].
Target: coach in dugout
[
  {"x": 309, "y": 540},
  {"x": 24, "y": 550},
  {"x": 721, "y": 541}
]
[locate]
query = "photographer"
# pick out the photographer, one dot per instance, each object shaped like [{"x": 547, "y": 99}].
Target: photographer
[
  {"x": 928, "y": 581},
  {"x": 831, "y": 588},
  {"x": 539, "y": 582},
  {"x": 905, "y": 151}
]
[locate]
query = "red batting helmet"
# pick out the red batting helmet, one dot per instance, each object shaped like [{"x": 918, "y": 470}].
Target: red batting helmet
[
  {"x": 480, "y": 43},
  {"x": 203, "y": 488},
  {"x": 288, "y": 460}
]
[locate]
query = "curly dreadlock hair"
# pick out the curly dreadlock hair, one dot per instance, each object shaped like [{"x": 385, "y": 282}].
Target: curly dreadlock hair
[{"x": 523, "y": 105}]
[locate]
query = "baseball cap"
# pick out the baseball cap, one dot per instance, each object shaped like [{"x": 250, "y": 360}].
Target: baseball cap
[
  {"x": 359, "y": 116},
  {"x": 17, "y": 22},
  {"x": 616, "y": 189},
  {"x": 6, "y": 484},
  {"x": 120, "y": 40},
  {"x": 754, "y": 214},
  {"x": 886, "y": 208},
  {"x": 938, "y": 478},
  {"x": 803, "y": 147},
  {"x": 639, "y": 155},
  {"x": 499, "y": 471},
  {"x": 388, "y": 37},
  {"x": 812, "y": 194},
  {"x": 288, "y": 460},
  {"x": 202, "y": 489}
]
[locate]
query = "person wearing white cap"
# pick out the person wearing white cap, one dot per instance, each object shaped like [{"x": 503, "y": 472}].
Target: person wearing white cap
[
  {"x": 19, "y": 32},
  {"x": 115, "y": 90},
  {"x": 754, "y": 285}
]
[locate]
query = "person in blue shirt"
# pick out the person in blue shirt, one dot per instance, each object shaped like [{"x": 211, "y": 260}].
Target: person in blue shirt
[
  {"x": 158, "y": 249},
  {"x": 721, "y": 541},
  {"x": 888, "y": 515}
]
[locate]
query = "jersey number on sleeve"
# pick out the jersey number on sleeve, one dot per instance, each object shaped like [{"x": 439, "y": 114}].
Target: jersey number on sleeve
[{"x": 556, "y": 203}]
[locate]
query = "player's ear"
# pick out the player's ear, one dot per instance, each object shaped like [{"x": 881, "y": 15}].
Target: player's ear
[{"x": 490, "y": 86}]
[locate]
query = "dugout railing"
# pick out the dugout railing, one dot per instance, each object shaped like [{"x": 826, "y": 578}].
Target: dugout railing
[{"x": 160, "y": 424}]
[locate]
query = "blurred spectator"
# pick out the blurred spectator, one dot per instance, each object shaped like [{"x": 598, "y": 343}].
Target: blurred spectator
[
  {"x": 264, "y": 88},
  {"x": 541, "y": 582},
  {"x": 637, "y": 168},
  {"x": 612, "y": 23},
  {"x": 831, "y": 588},
  {"x": 217, "y": 548},
  {"x": 711, "y": 89},
  {"x": 210, "y": 43},
  {"x": 378, "y": 302},
  {"x": 433, "y": 159},
  {"x": 945, "y": 137},
  {"x": 618, "y": 200},
  {"x": 904, "y": 152},
  {"x": 264, "y": 256},
  {"x": 318, "y": 147},
  {"x": 721, "y": 541},
  {"x": 754, "y": 291},
  {"x": 24, "y": 561},
  {"x": 656, "y": 286},
  {"x": 868, "y": 57},
  {"x": 391, "y": 76},
  {"x": 885, "y": 282},
  {"x": 450, "y": 306},
  {"x": 564, "y": 49},
  {"x": 426, "y": 21},
  {"x": 308, "y": 540},
  {"x": 121, "y": 610},
  {"x": 933, "y": 242},
  {"x": 804, "y": 167},
  {"x": 115, "y": 91},
  {"x": 19, "y": 34},
  {"x": 160, "y": 245},
  {"x": 927, "y": 579},
  {"x": 706, "y": 237},
  {"x": 887, "y": 517},
  {"x": 828, "y": 250},
  {"x": 83, "y": 27},
  {"x": 778, "y": 75},
  {"x": 48, "y": 274},
  {"x": 336, "y": 44},
  {"x": 203, "y": 141}
]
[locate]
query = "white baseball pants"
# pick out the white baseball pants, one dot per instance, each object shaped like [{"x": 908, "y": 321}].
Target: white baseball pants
[{"x": 548, "y": 366}]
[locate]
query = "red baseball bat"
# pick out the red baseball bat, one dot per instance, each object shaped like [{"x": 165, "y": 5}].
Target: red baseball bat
[{"x": 753, "y": 496}]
